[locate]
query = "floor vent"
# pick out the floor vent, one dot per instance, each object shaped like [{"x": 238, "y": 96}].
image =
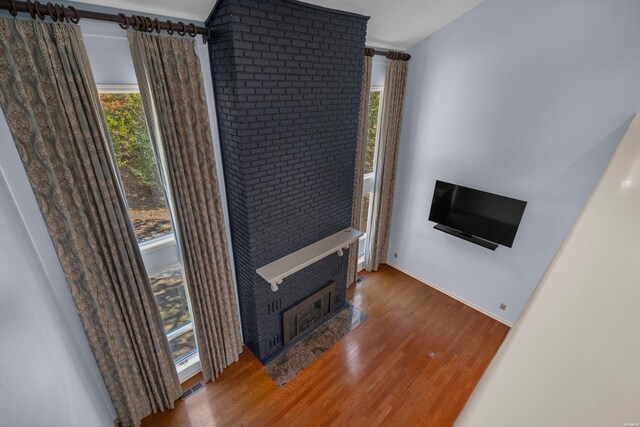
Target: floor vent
[
  {"x": 194, "y": 389},
  {"x": 361, "y": 279}
]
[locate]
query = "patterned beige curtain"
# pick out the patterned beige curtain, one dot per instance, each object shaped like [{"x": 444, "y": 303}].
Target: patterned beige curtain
[
  {"x": 51, "y": 104},
  {"x": 170, "y": 79},
  {"x": 393, "y": 98},
  {"x": 361, "y": 150}
]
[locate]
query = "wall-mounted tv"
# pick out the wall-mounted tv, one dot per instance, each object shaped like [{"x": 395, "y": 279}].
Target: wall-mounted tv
[{"x": 483, "y": 218}]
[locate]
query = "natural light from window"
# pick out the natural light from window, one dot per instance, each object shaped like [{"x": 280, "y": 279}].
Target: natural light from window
[
  {"x": 375, "y": 111},
  {"x": 150, "y": 215},
  {"x": 137, "y": 164},
  {"x": 375, "y": 97},
  {"x": 168, "y": 287}
]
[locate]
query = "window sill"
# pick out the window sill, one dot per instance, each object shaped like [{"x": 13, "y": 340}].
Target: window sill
[{"x": 188, "y": 367}]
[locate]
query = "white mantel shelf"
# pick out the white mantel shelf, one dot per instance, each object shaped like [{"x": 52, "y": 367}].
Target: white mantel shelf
[{"x": 278, "y": 270}]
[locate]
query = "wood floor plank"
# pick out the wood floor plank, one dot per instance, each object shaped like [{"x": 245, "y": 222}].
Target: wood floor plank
[{"x": 379, "y": 374}]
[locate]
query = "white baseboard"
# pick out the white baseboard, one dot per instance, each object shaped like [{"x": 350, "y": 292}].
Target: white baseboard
[{"x": 454, "y": 296}]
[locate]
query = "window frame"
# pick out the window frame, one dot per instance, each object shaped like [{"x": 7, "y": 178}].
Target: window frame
[
  {"x": 369, "y": 178},
  {"x": 378, "y": 121},
  {"x": 188, "y": 365},
  {"x": 159, "y": 241}
]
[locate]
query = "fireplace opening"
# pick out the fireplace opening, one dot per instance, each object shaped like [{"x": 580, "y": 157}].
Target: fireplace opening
[{"x": 308, "y": 313}]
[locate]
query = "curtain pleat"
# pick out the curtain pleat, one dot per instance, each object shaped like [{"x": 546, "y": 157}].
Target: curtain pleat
[
  {"x": 380, "y": 224},
  {"x": 51, "y": 104},
  {"x": 361, "y": 150},
  {"x": 172, "y": 88}
]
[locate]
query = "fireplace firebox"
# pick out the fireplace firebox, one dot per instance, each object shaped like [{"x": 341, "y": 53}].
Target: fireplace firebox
[{"x": 308, "y": 313}]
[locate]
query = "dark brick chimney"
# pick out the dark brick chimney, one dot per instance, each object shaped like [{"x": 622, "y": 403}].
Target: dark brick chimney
[{"x": 287, "y": 85}]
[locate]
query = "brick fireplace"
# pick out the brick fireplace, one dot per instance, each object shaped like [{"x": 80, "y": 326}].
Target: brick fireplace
[{"x": 287, "y": 85}]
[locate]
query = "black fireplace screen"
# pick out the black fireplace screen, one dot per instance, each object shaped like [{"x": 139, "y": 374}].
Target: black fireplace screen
[{"x": 303, "y": 316}]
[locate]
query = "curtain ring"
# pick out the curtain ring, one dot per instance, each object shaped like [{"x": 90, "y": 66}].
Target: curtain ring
[
  {"x": 156, "y": 24},
  {"x": 40, "y": 15},
  {"x": 125, "y": 21},
  {"x": 148, "y": 24},
  {"x": 53, "y": 13},
  {"x": 14, "y": 10},
  {"x": 184, "y": 29},
  {"x": 143, "y": 24},
  {"x": 62, "y": 13},
  {"x": 138, "y": 25},
  {"x": 76, "y": 17},
  {"x": 170, "y": 29},
  {"x": 30, "y": 9},
  {"x": 193, "y": 31}
]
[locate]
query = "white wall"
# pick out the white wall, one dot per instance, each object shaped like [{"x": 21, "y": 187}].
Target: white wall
[
  {"x": 572, "y": 359},
  {"x": 378, "y": 71},
  {"x": 48, "y": 375},
  {"x": 45, "y": 355},
  {"x": 522, "y": 98}
]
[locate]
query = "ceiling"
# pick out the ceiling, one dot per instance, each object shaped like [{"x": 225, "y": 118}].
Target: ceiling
[
  {"x": 400, "y": 24},
  {"x": 397, "y": 24}
]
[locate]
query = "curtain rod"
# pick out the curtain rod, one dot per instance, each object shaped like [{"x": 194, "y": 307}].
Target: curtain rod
[
  {"x": 60, "y": 13},
  {"x": 391, "y": 54}
]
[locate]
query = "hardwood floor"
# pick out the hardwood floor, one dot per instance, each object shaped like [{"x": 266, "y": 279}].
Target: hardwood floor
[{"x": 379, "y": 374}]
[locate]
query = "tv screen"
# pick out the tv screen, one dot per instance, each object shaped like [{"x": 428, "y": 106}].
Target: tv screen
[{"x": 478, "y": 213}]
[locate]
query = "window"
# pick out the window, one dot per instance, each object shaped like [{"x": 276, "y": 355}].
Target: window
[
  {"x": 364, "y": 216},
  {"x": 375, "y": 98},
  {"x": 151, "y": 218},
  {"x": 375, "y": 112},
  {"x": 171, "y": 297},
  {"x": 137, "y": 163}
]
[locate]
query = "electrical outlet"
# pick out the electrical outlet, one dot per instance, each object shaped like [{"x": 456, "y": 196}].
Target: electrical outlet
[
  {"x": 395, "y": 255},
  {"x": 503, "y": 306}
]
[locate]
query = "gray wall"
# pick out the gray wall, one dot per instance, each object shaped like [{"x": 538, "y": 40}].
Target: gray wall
[{"x": 522, "y": 98}]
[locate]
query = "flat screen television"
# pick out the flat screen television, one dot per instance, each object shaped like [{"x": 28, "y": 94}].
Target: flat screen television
[{"x": 469, "y": 213}]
